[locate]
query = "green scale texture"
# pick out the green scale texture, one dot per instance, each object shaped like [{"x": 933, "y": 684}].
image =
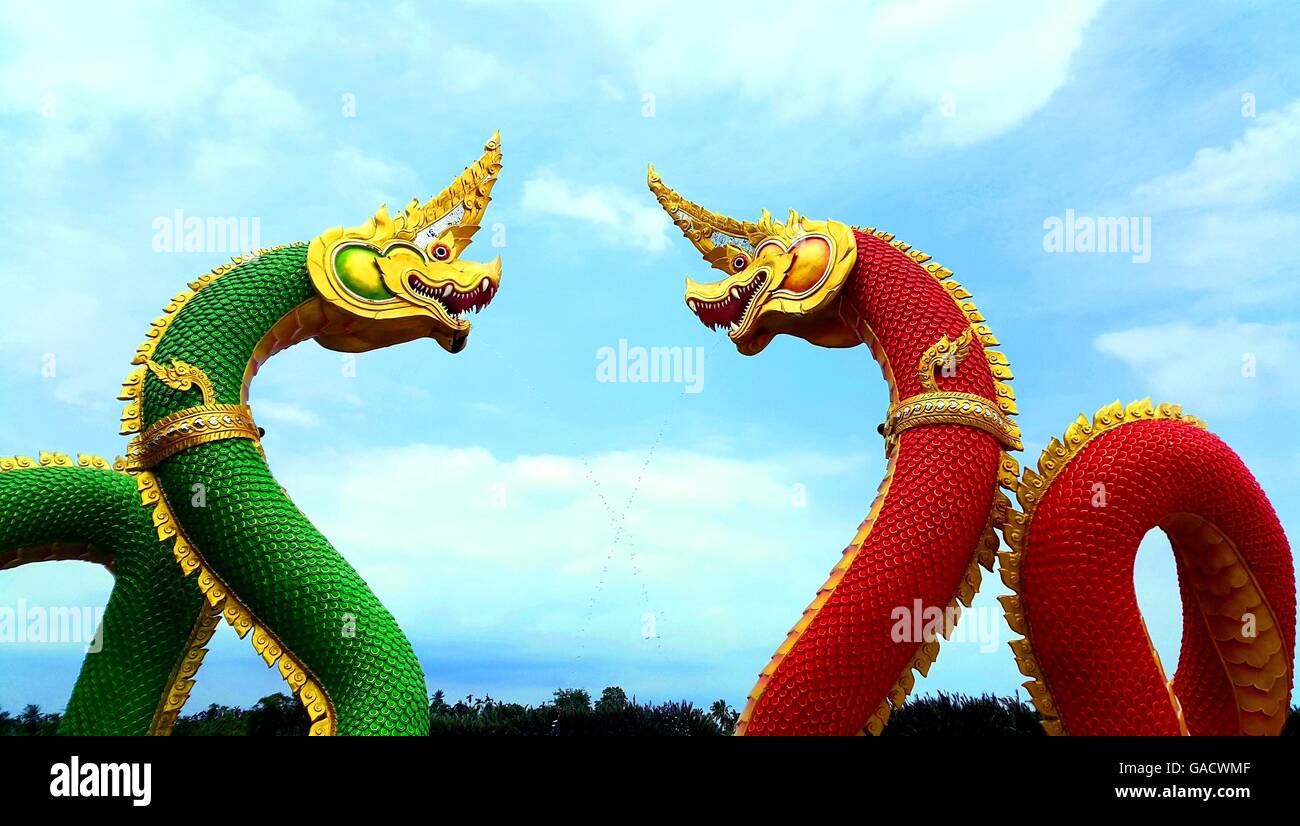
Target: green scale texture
[
  {"x": 151, "y": 611},
  {"x": 253, "y": 536}
]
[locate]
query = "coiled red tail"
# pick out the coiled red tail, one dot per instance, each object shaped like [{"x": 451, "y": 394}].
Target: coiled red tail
[{"x": 1095, "y": 495}]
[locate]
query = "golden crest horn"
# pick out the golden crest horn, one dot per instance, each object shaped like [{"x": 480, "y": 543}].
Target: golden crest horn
[
  {"x": 714, "y": 235},
  {"x": 458, "y": 208}
]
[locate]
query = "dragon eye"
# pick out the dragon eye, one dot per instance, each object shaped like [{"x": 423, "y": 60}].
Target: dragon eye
[
  {"x": 739, "y": 263},
  {"x": 439, "y": 252}
]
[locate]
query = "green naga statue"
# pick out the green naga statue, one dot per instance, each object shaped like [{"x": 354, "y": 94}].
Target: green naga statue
[{"x": 217, "y": 537}]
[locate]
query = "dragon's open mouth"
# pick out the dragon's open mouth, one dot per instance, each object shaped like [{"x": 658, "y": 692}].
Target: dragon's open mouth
[
  {"x": 456, "y": 302},
  {"x": 731, "y": 310}
]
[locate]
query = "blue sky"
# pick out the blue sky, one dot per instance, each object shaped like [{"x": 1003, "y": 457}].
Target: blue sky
[{"x": 527, "y": 523}]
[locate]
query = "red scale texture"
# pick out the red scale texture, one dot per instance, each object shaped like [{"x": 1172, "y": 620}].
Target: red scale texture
[
  {"x": 1077, "y": 577},
  {"x": 924, "y": 537}
]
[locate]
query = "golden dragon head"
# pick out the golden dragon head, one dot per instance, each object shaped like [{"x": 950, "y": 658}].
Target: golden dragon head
[
  {"x": 401, "y": 278},
  {"x": 780, "y": 277}
]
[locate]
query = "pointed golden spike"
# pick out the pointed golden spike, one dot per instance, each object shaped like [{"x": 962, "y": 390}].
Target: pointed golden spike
[
  {"x": 1024, "y": 658},
  {"x": 898, "y": 694},
  {"x": 710, "y": 232},
  {"x": 1078, "y": 432},
  {"x": 1141, "y": 409},
  {"x": 1108, "y": 415},
  {"x": 461, "y": 204},
  {"x": 1014, "y": 613},
  {"x": 133, "y": 384}
]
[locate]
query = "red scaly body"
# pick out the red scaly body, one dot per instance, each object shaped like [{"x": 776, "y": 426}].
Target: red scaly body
[
  {"x": 1092, "y": 665},
  {"x": 840, "y": 663},
  {"x": 1087, "y": 509},
  {"x": 915, "y": 561}
]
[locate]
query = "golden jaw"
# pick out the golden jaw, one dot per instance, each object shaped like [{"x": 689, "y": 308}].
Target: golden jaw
[
  {"x": 728, "y": 304},
  {"x": 451, "y": 291},
  {"x": 791, "y": 277}
]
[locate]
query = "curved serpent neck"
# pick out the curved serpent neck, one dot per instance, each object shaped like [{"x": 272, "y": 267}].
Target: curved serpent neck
[
  {"x": 841, "y": 668},
  {"x": 256, "y": 553},
  {"x": 220, "y": 328},
  {"x": 900, "y": 308}
]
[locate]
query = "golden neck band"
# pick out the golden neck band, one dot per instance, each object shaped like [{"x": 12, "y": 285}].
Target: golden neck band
[
  {"x": 188, "y": 428},
  {"x": 948, "y": 407}
]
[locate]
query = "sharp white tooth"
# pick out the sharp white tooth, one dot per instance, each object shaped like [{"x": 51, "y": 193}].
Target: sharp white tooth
[
  {"x": 693, "y": 305},
  {"x": 735, "y": 292},
  {"x": 734, "y": 328},
  {"x": 446, "y": 291},
  {"x": 487, "y": 282}
]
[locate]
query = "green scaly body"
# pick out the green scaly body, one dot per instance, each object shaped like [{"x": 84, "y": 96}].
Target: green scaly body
[
  {"x": 198, "y": 529},
  {"x": 152, "y": 610},
  {"x": 252, "y": 535}
]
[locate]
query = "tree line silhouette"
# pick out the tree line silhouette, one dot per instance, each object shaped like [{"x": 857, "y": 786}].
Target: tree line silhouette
[{"x": 571, "y": 712}]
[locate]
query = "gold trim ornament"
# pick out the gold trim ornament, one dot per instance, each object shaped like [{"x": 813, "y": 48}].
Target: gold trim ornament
[
  {"x": 944, "y": 354},
  {"x": 206, "y": 423},
  {"x": 949, "y": 407},
  {"x": 180, "y": 375},
  {"x": 190, "y": 428}
]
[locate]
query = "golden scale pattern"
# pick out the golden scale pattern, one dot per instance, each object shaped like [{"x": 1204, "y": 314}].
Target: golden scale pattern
[
  {"x": 1226, "y": 590},
  {"x": 220, "y": 598},
  {"x": 1029, "y": 491},
  {"x": 985, "y": 551}
]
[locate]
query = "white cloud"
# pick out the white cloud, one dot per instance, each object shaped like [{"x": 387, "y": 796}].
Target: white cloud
[
  {"x": 1249, "y": 171},
  {"x": 75, "y": 89},
  {"x": 529, "y": 548},
  {"x": 622, "y": 217},
  {"x": 59, "y": 336},
  {"x": 999, "y": 63},
  {"x": 1226, "y": 222},
  {"x": 128, "y": 59},
  {"x": 1214, "y": 370}
]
